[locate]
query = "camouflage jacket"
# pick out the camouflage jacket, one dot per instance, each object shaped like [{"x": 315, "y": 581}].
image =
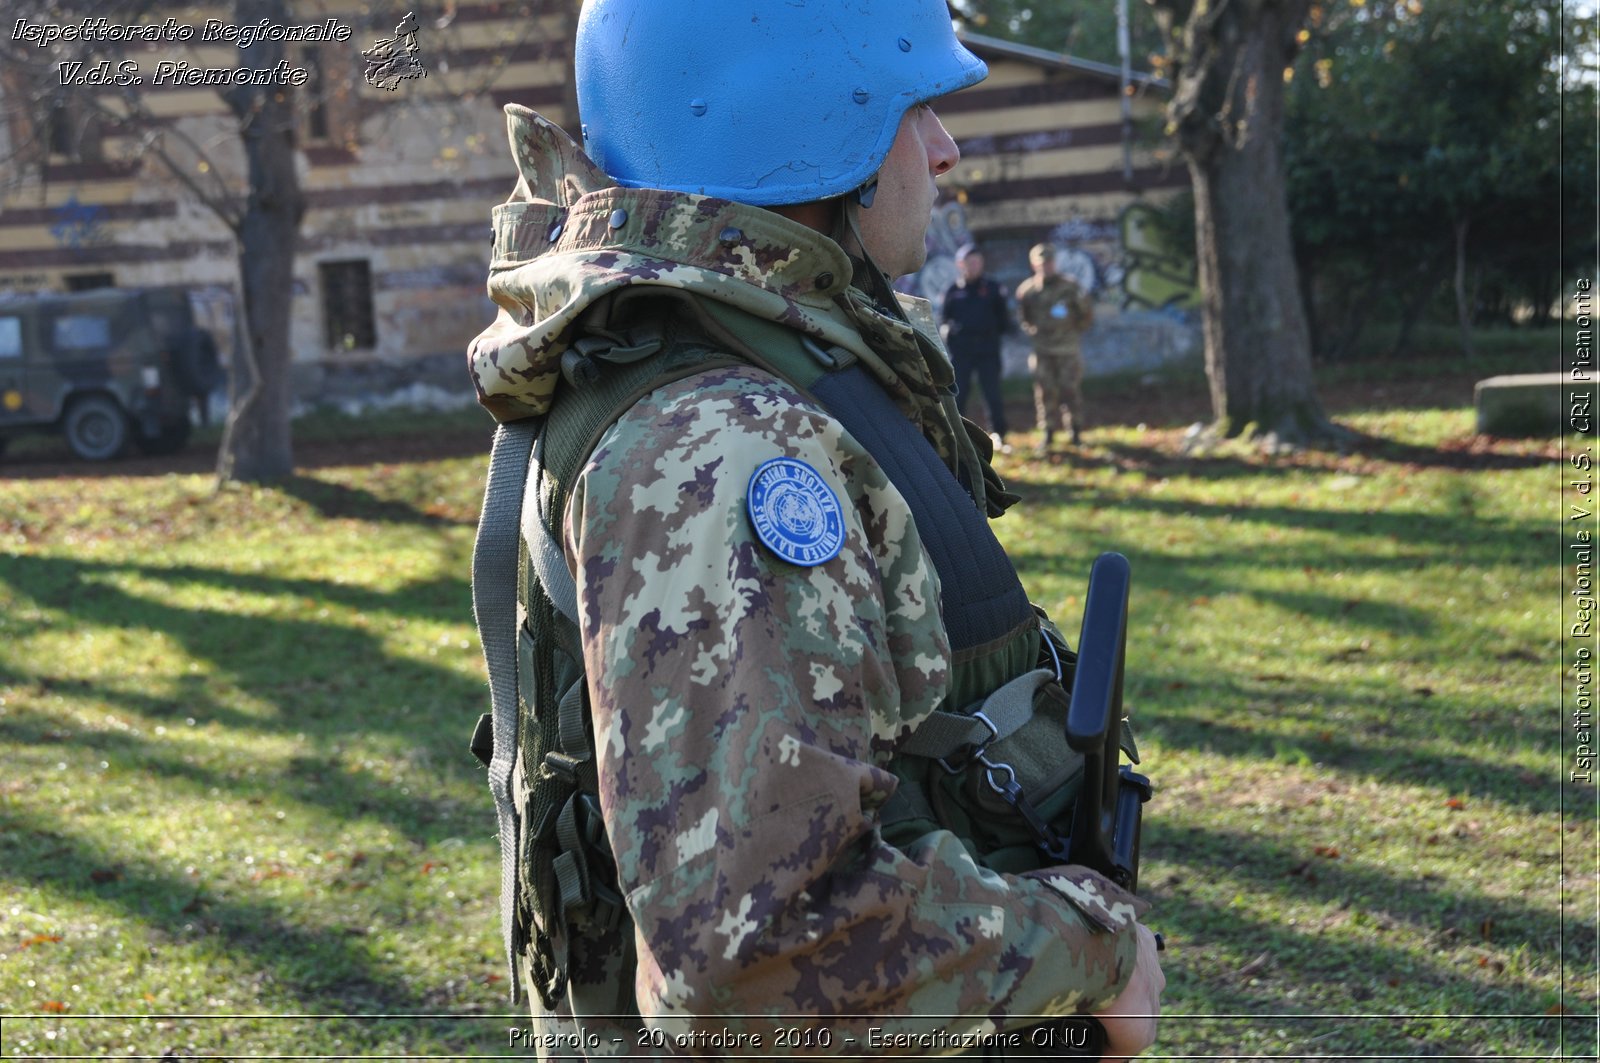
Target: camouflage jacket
[
  {"x": 745, "y": 710},
  {"x": 1055, "y": 312}
]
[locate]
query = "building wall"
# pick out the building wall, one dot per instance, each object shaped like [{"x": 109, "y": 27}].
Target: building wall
[
  {"x": 399, "y": 180},
  {"x": 402, "y": 180}
]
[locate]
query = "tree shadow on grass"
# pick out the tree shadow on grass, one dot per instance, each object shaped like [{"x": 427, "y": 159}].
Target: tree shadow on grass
[
  {"x": 1362, "y": 735},
  {"x": 327, "y": 969},
  {"x": 318, "y": 780},
  {"x": 302, "y": 675},
  {"x": 1385, "y": 980},
  {"x": 1472, "y": 454},
  {"x": 1456, "y": 530},
  {"x": 1469, "y": 454},
  {"x": 1347, "y": 608},
  {"x": 335, "y": 501}
]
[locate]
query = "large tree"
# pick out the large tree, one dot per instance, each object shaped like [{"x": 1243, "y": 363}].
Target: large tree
[
  {"x": 1227, "y": 59},
  {"x": 256, "y": 443}
]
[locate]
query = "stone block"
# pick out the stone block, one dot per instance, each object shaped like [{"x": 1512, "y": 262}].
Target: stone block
[{"x": 1524, "y": 404}]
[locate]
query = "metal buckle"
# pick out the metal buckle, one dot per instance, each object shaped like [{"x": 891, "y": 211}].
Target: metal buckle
[
  {"x": 977, "y": 750},
  {"x": 1055, "y": 657}
]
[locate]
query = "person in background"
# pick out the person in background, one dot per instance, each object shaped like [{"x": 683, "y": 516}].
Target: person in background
[
  {"x": 1056, "y": 313},
  {"x": 974, "y": 318}
]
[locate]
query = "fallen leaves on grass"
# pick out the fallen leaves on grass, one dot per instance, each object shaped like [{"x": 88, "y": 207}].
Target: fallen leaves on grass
[{"x": 1256, "y": 966}]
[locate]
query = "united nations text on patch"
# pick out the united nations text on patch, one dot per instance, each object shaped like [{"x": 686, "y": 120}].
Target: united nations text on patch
[{"x": 795, "y": 513}]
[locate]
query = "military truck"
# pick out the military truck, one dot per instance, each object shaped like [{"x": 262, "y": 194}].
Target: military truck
[{"x": 104, "y": 368}]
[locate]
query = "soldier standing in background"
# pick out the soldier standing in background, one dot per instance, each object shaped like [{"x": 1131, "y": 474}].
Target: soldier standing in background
[{"x": 1056, "y": 313}]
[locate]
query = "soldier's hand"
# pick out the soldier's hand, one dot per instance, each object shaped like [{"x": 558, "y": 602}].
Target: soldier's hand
[{"x": 1130, "y": 1020}]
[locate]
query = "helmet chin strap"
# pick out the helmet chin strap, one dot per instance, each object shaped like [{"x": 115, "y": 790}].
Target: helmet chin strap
[{"x": 878, "y": 285}]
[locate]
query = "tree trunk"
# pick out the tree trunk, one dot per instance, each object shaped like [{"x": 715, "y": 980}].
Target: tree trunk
[
  {"x": 1258, "y": 349},
  {"x": 1227, "y": 109},
  {"x": 255, "y": 442}
]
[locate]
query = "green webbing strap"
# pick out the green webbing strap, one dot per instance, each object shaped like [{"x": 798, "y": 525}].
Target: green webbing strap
[
  {"x": 1001, "y": 715},
  {"x": 572, "y": 724},
  {"x": 544, "y": 552},
  {"x": 494, "y": 606},
  {"x": 571, "y": 866}
]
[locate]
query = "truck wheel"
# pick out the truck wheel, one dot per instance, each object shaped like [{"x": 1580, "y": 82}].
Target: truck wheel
[{"x": 96, "y": 428}]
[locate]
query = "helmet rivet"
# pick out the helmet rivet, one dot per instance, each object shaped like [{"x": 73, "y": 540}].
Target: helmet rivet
[
  {"x": 619, "y": 218},
  {"x": 730, "y": 235},
  {"x": 905, "y": 45},
  {"x": 861, "y": 95},
  {"x": 555, "y": 233},
  {"x": 698, "y": 107},
  {"x": 824, "y": 280}
]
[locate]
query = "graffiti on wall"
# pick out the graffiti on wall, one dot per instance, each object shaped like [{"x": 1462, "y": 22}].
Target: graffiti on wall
[
  {"x": 1154, "y": 276},
  {"x": 1128, "y": 261},
  {"x": 77, "y": 224}
]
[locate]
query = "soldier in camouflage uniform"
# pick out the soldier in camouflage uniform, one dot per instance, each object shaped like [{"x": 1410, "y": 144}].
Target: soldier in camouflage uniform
[
  {"x": 1056, "y": 314},
  {"x": 775, "y": 581}
]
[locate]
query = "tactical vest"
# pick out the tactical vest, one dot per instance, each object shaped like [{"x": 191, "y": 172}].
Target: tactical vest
[{"x": 991, "y": 765}]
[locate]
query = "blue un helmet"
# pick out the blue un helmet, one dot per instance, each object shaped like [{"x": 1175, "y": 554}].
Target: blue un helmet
[{"x": 758, "y": 101}]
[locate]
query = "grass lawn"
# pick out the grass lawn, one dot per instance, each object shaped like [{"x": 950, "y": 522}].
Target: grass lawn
[{"x": 238, "y": 815}]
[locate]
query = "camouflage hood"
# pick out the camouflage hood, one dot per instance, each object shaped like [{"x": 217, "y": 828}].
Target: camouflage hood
[{"x": 569, "y": 237}]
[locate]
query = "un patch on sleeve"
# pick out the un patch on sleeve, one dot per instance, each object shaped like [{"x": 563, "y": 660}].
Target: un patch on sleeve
[{"x": 795, "y": 513}]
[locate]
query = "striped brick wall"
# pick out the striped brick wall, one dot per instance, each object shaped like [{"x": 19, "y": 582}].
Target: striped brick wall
[{"x": 404, "y": 179}]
